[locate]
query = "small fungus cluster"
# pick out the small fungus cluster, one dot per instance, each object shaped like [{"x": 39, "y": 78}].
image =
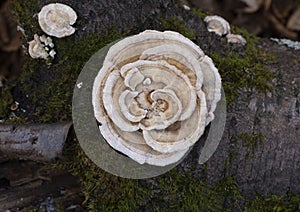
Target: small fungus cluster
[
  {"x": 154, "y": 95},
  {"x": 221, "y": 27},
  {"x": 55, "y": 19},
  {"x": 41, "y": 47}
]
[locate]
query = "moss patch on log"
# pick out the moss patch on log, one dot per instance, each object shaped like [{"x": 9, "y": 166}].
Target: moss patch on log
[
  {"x": 250, "y": 141},
  {"x": 174, "y": 190},
  {"x": 44, "y": 88},
  {"x": 239, "y": 69},
  {"x": 48, "y": 89},
  {"x": 175, "y": 24},
  {"x": 245, "y": 71},
  {"x": 5, "y": 100}
]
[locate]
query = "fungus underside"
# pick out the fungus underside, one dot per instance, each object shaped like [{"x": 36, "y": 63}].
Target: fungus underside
[{"x": 51, "y": 102}]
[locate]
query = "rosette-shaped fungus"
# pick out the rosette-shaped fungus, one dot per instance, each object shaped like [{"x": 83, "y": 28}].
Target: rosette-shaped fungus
[
  {"x": 56, "y": 19},
  {"x": 154, "y": 95}
]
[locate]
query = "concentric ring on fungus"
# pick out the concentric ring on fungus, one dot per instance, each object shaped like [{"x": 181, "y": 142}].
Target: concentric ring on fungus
[{"x": 154, "y": 95}]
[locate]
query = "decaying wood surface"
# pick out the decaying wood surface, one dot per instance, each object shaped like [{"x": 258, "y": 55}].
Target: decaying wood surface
[
  {"x": 26, "y": 185},
  {"x": 274, "y": 166},
  {"x": 38, "y": 142}
]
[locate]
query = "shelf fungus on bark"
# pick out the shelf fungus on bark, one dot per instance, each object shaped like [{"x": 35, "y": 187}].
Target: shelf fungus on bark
[
  {"x": 217, "y": 25},
  {"x": 154, "y": 95},
  {"x": 56, "y": 19},
  {"x": 238, "y": 39}
]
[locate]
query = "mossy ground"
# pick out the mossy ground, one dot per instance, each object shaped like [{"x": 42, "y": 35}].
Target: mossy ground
[
  {"x": 172, "y": 191},
  {"x": 6, "y": 100},
  {"x": 46, "y": 92},
  {"x": 174, "y": 24},
  {"x": 45, "y": 88}
]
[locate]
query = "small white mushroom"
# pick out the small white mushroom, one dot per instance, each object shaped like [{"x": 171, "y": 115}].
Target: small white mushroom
[
  {"x": 217, "y": 25},
  {"x": 56, "y": 19},
  {"x": 36, "y": 49},
  {"x": 233, "y": 38},
  {"x": 51, "y": 45},
  {"x": 186, "y": 7},
  {"x": 154, "y": 96},
  {"x": 48, "y": 41},
  {"x": 43, "y": 38},
  {"x": 52, "y": 53}
]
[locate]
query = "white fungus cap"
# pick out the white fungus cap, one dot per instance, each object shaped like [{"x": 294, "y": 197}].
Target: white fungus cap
[{"x": 56, "y": 19}]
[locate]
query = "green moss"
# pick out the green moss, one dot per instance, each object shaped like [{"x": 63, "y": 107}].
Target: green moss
[
  {"x": 248, "y": 70},
  {"x": 238, "y": 70},
  {"x": 200, "y": 13},
  {"x": 50, "y": 87},
  {"x": 177, "y": 25},
  {"x": 250, "y": 141},
  {"x": 73, "y": 53},
  {"x": 24, "y": 12},
  {"x": 6, "y": 100},
  {"x": 172, "y": 191},
  {"x": 231, "y": 155},
  {"x": 289, "y": 202},
  {"x": 232, "y": 196}
]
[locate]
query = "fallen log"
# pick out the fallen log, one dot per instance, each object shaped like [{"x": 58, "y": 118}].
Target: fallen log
[{"x": 38, "y": 142}]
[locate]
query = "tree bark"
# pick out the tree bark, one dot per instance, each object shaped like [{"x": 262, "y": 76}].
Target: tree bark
[{"x": 274, "y": 166}]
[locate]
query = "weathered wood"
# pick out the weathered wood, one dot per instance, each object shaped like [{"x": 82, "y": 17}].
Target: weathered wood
[
  {"x": 274, "y": 166},
  {"x": 30, "y": 185},
  {"x": 39, "y": 142}
]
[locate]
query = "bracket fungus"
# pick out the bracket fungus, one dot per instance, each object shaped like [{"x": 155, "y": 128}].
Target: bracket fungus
[
  {"x": 233, "y": 38},
  {"x": 56, "y": 19},
  {"x": 221, "y": 27},
  {"x": 217, "y": 25},
  {"x": 154, "y": 95}
]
